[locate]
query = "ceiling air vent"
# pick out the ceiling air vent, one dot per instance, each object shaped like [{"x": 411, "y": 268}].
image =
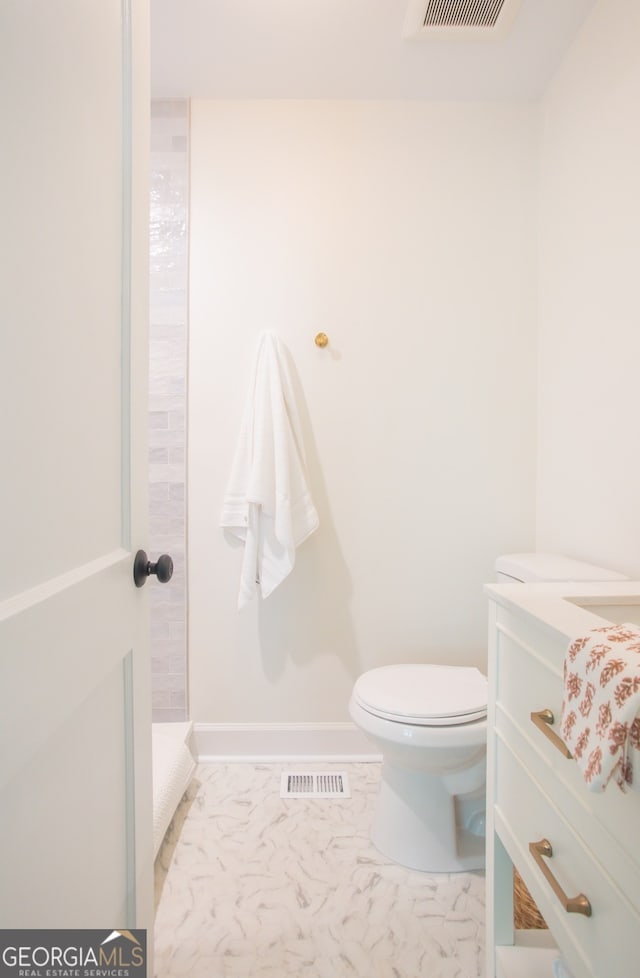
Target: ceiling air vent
[{"x": 459, "y": 19}]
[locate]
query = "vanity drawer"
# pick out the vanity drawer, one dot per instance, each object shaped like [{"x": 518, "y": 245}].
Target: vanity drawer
[
  {"x": 549, "y": 646},
  {"x": 525, "y": 813},
  {"x": 525, "y": 684},
  {"x": 528, "y": 687}
]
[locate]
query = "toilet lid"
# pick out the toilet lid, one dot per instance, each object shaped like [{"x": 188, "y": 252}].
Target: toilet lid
[{"x": 427, "y": 695}]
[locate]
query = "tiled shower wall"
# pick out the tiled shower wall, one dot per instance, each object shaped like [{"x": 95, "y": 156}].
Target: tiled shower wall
[{"x": 168, "y": 302}]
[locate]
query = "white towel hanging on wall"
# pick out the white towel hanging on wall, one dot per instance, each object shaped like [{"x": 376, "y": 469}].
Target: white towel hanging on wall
[{"x": 268, "y": 504}]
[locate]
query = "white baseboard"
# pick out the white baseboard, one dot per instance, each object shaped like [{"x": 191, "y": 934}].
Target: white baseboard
[{"x": 339, "y": 742}]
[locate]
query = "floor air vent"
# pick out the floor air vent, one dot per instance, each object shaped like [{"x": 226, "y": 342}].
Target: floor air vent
[{"x": 316, "y": 784}]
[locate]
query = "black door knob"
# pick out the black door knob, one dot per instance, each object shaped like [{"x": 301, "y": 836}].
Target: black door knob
[{"x": 143, "y": 568}]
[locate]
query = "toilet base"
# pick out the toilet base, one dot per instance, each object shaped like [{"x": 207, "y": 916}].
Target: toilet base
[{"x": 415, "y": 823}]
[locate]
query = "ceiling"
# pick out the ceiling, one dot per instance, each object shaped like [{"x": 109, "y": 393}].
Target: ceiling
[{"x": 351, "y": 49}]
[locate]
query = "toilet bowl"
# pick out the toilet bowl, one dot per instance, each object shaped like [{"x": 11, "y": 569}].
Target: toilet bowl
[{"x": 429, "y": 723}]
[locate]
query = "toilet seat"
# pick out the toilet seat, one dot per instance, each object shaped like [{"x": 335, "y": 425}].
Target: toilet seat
[{"x": 424, "y": 695}]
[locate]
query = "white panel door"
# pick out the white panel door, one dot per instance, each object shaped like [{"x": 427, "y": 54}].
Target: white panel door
[{"x": 75, "y": 725}]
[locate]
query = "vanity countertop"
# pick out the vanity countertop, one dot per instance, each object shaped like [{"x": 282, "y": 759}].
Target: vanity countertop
[{"x": 570, "y": 608}]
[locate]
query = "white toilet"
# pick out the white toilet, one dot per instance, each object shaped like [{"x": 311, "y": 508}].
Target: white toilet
[{"x": 429, "y": 724}]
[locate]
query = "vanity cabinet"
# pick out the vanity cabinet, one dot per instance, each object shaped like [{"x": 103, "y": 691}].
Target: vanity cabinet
[{"x": 578, "y": 852}]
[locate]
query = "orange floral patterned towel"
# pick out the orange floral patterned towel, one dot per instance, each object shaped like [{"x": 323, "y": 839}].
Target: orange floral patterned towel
[{"x": 601, "y": 706}]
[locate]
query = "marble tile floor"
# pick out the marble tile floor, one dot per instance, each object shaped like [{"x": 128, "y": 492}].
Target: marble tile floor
[{"x": 249, "y": 885}]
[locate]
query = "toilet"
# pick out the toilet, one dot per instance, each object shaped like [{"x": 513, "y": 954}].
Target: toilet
[{"x": 429, "y": 723}]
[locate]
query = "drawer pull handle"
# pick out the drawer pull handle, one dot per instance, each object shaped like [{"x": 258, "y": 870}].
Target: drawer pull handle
[
  {"x": 577, "y": 904},
  {"x": 544, "y": 720}
]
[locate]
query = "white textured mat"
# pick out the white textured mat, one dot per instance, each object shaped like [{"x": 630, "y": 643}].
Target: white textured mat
[{"x": 173, "y": 768}]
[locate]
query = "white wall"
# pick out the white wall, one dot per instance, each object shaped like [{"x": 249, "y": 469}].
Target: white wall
[
  {"x": 405, "y": 231},
  {"x": 589, "y": 457}
]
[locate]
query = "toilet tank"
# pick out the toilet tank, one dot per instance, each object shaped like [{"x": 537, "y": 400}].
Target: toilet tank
[{"x": 532, "y": 567}]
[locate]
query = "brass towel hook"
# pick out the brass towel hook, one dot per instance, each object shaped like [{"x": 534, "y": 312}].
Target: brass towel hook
[{"x": 321, "y": 340}]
